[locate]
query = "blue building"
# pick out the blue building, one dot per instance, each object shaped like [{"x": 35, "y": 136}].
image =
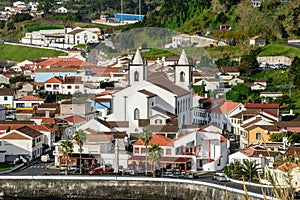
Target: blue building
[
  {"x": 129, "y": 17},
  {"x": 42, "y": 75}
]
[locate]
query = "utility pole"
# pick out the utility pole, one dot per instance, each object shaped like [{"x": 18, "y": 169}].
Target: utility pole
[
  {"x": 121, "y": 11},
  {"x": 140, "y": 10}
]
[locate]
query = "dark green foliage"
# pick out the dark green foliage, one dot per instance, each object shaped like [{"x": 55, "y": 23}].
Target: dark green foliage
[
  {"x": 2, "y": 24},
  {"x": 199, "y": 89},
  {"x": 10, "y": 26},
  {"x": 250, "y": 170},
  {"x": 294, "y": 71},
  {"x": 226, "y": 61},
  {"x": 21, "y": 78},
  {"x": 249, "y": 64},
  {"x": 20, "y": 17},
  {"x": 238, "y": 93},
  {"x": 233, "y": 170},
  {"x": 291, "y": 136}
]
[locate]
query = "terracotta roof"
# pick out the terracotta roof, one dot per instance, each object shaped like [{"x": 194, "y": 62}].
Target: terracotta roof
[
  {"x": 48, "y": 121},
  {"x": 286, "y": 167},
  {"x": 163, "y": 159},
  {"x": 7, "y": 91},
  {"x": 264, "y": 127},
  {"x": 163, "y": 128},
  {"x": 255, "y": 37},
  {"x": 144, "y": 122},
  {"x": 54, "y": 80},
  {"x": 286, "y": 124},
  {"x": 30, "y": 98},
  {"x": 72, "y": 80},
  {"x": 98, "y": 138},
  {"x": 58, "y": 69},
  {"x": 226, "y": 107},
  {"x": 76, "y": 31},
  {"x": 29, "y": 131},
  {"x": 252, "y": 152},
  {"x": 75, "y": 119},
  {"x": 157, "y": 139},
  {"x": 260, "y": 80},
  {"x": 15, "y": 136},
  {"x": 229, "y": 69},
  {"x": 49, "y": 105},
  {"x": 105, "y": 69},
  {"x": 262, "y": 106},
  {"x": 35, "y": 127}
]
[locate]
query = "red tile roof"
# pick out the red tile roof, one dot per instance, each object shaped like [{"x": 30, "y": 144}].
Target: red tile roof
[
  {"x": 157, "y": 139},
  {"x": 262, "y": 106},
  {"x": 226, "y": 107},
  {"x": 54, "y": 80},
  {"x": 16, "y": 126},
  {"x": 74, "y": 119},
  {"x": 30, "y": 98},
  {"x": 286, "y": 167}
]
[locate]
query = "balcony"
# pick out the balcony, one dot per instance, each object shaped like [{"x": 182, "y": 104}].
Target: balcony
[{"x": 189, "y": 153}]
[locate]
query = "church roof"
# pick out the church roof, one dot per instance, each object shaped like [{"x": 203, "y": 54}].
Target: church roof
[
  {"x": 183, "y": 60},
  {"x": 137, "y": 60},
  {"x": 168, "y": 85}
]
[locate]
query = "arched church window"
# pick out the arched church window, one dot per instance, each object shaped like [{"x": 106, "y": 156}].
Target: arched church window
[
  {"x": 136, "y": 76},
  {"x": 182, "y": 76},
  {"x": 136, "y": 114}
]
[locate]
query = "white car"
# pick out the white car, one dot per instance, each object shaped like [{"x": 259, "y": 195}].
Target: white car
[{"x": 222, "y": 178}]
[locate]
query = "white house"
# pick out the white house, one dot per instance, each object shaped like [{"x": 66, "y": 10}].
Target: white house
[
  {"x": 53, "y": 85},
  {"x": 72, "y": 85},
  {"x": 28, "y": 102},
  {"x": 23, "y": 142},
  {"x": 7, "y": 97},
  {"x": 61, "y": 10}
]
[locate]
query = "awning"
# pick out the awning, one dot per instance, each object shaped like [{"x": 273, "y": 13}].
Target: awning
[{"x": 177, "y": 160}]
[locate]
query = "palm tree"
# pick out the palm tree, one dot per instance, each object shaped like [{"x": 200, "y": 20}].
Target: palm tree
[
  {"x": 250, "y": 170},
  {"x": 145, "y": 137},
  {"x": 154, "y": 155},
  {"x": 79, "y": 138},
  {"x": 66, "y": 148}
]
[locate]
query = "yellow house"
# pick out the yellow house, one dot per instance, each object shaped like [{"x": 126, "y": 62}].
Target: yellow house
[{"x": 258, "y": 133}]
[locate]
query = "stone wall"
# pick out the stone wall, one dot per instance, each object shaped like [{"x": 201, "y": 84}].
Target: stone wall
[{"x": 78, "y": 187}]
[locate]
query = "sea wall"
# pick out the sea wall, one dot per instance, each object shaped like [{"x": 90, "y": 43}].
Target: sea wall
[{"x": 79, "y": 187}]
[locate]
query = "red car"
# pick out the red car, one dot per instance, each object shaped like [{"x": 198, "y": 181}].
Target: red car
[{"x": 97, "y": 170}]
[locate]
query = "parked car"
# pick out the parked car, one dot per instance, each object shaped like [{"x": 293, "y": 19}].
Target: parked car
[
  {"x": 129, "y": 171},
  {"x": 191, "y": 175},
  {"x": 167, "y": 174},
  {"x": 177, "y": 175},
  {"x": 216, "y": 175},
  {"x": 140, "y": 171},
  {"x": 222, "y": 178},
  {"x": 96, "y": 171},
  {"x": 297, "y": 194},
  {"x": 71, "y": 170}
]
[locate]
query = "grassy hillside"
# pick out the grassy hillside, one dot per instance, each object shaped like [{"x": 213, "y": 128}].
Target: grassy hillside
[
  {"x": 20, "y": 53},
  {"x": 279, "y": 50}
]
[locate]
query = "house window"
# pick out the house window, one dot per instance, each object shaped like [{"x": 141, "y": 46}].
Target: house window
[
  {"x": 76, "y": 87},
  {"x": 182, "y": 76},
  {"x": 77, "y": 36},
  {"x": 158, "y": 121},
  {"x": 48, "y": 86},
  {"x": 136, "y": 114},
  {"x": 69, "y": 87},
  {"x": 143, "y": 150},
  {"x": 5, "y": 98},
  {"x": 168, "y": 151},
  {"x": 136, "y": 150},
  {"x": 258, "y": 136},
  {"x": 136, "y": 76}
]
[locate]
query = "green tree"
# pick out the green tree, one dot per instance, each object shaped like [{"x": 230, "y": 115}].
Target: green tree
[
  {"x": 250, "y": 170},
  {"x": 238, "y": 93},
  {"x": 154, "y": 155},
  {"x": 294, "y": 71},
  {"x": 146, "y": 136},
  {"x": 80, "y": 139},
  {"x": 66, "y": 148},
  {"x": 46, "y": 6},
  {"x": 292, "y": 137},
  {"x": 249, "y": 64},
  {"x": 199, "y": 89}
]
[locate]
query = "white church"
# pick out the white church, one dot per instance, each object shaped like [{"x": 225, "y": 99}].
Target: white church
[{"x": 152, "y": 100}]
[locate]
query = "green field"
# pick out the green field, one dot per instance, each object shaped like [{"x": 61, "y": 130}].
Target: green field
[
  {"x": 20, "y": 53},
  {"x": 279, "y": 50}
]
